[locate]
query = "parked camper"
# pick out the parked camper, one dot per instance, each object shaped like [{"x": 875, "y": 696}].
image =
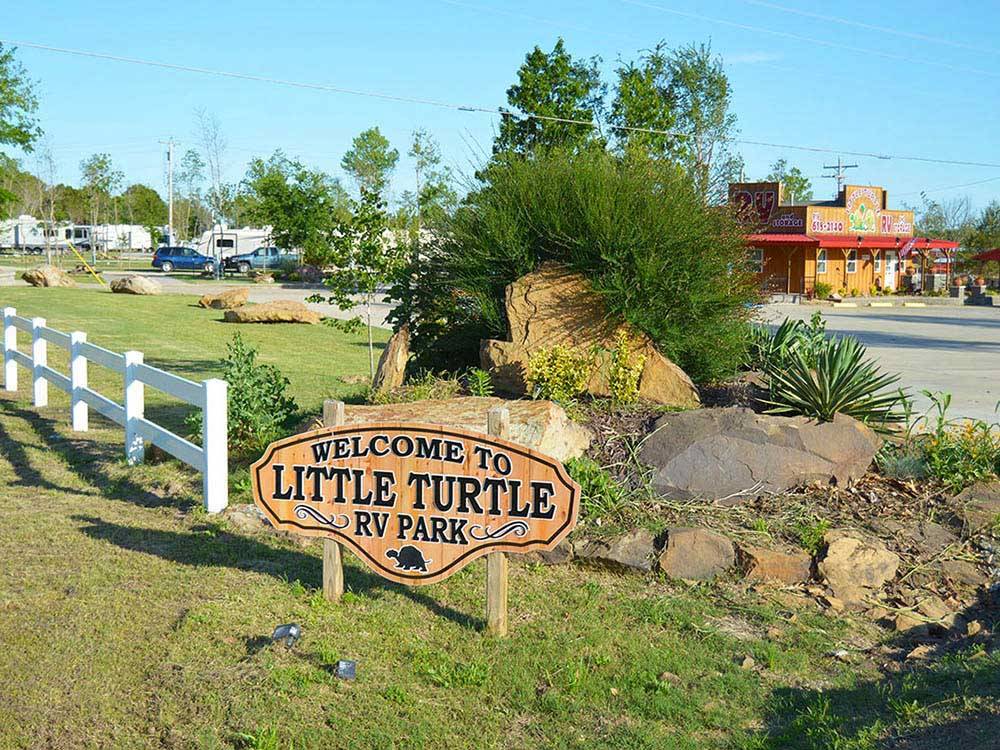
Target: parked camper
[
  {"x": 222, "y": 242},
  {"x": 25, "y": 234}
]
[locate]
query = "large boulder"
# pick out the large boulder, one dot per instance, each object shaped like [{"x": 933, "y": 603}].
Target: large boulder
[
  {"x": 226, "y": 300},
  {"x": 696, "y": 554},
  {"x": 135, "y": 284},
  {"x": 854, "y": 566},
  {"x": 48, "y": 276},
  {"x": 635, "y": 549},
  {"x": 281, "y": 311},
  {"x": 555, "y": 306},
  {"x": 392, "y": 364},
  {"x": 732, "y": 454},
  {"x": 762, "y": 564},
  {"x": 539, "y": 425}
]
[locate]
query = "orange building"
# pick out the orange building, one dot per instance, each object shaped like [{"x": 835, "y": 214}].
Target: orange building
[{"x": 854, "y": 243}]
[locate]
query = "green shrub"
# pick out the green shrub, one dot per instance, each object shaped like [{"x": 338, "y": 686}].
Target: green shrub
[
  {"x": 672, "y": 266},
  {"x": 559, "y": 372},
  {"x": 811, "y": 534},
  {"x": 423, "y": 386},
  {"x": 773, "y": 349},
  {"x": 258, "y": 402},
  {"x": 840, "y": 380},
  {"x": 479, "y": 382},
  {"x": 602, "y": 496},
  {"x": 624, "y": 371},
  {"x": 958, "y": 453},
  {"x": 822, "y": 289}
]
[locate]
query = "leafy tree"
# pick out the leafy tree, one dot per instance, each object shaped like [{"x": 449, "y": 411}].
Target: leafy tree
[
  {"x": 797, "y": 185},
  {"x": 143, "y": 205},
  {"x": 702, "y": 95},
  {"x": 100, "y": 180},
  {"x": 20, "y": 191},
  {"x": 552, "y": 85},
  {"x": 643, "y": 99},
  {"x": 70, "y": 204},
  {"x": 302, "y": 206},
  {"x": 370, "y": 161},
  {"x": 985, "y": 234},
  {"x": 365, "y": 258},
  {"x": 188, "y": 180},
  {"x": 18, "y": 126},
  {"x": 949, "y": 219},
  {"x": 435, "y": 194}
]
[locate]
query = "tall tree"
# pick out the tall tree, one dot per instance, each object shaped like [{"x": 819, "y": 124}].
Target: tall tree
[
  {"x": 301, "y": 205},
  {"x": 643, "y": 99},
  {"x": 370, "y": 161},
  {"x": 985, "y": 232},
  {"x": 948, "y": 219},
  {"x": 435, "y": 194},
  {"x": 144, "y": 205},
  {"x": 213, "y": 145},
  {"x": 188, "y": 181},
  {"x": 552, "y": 85},
  {"x": 18, "y": 126},
  {"x": 100, "y": 181},
  {"x": 798, "y": 187},
  {"x": 700, "y": 88}
]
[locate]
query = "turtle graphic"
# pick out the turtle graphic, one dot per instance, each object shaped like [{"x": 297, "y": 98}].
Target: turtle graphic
[{"x": 408, "y": 558}]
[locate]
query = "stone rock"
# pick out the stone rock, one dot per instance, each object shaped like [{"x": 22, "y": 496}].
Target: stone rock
[
  {"x": 555, "y": 306},
  {"x": 309, "y": 274},
  {"x": 560, "y": 554},
  {"x": 261, "y": 277},
  {"x": 934, "y": 609},
  {"x": 963, "y": 573},
  {"x": 979, "y": 505},
  {"x": 636, "y": 550},
  {"x": 392, "y": 363},
  {"x": 227, "y": 300},
  {"x": 696, "y": 554},
  {"x": 732, "y": 454},
  {"x": 281, "y": 311},
  {"x": 48, "y": 276},
  {"x": 246, "y": 517},
  {"x": 540, "y": 425},
  {"x": 855, "y": 567},
  {"x": 135, "y": 284},
  {"x": 764, "y": 564}
]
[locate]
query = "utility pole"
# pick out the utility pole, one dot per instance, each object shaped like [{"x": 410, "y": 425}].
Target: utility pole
[
  {"x": 170, "y": 190},
  {"x": 838, "y": 173}
]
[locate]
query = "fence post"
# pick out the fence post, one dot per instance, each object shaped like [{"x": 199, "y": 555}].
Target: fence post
[
  {"x": 215, "y": 445},
  {"x": 39, "y": 358},
  {"x": 78, "y": 382},
  {"x": 9, "y": 345},
  {"x": 135, "y": 406}
]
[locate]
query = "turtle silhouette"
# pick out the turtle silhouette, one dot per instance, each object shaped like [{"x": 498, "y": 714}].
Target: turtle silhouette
[{"x": 408, "y": 558}]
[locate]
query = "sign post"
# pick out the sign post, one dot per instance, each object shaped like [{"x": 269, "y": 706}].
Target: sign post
[{"x": 417, "y": 502}]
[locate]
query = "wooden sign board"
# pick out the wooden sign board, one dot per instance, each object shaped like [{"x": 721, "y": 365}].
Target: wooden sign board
[{"x": 416, "y": 502}]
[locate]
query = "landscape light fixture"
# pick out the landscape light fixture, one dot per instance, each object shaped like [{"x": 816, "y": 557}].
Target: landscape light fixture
[
  {"x": 289, "y": 633},
  {"x": 347, "y": 669}
]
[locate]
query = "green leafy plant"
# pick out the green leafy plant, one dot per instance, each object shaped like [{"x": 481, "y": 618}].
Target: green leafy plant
[
  {"x": 559, "y": 372},
  {"x": 258, "y": 400},
  {"x": 769, "y": 349},
  {"x": 958, "y": 453},
  {"x": 422, "y": 386},
  {"x": 602, "y": 496},
  {"x": 624, "y": 371},
  {"x": 822, "y": 289},
  {"x": 840, "y": 381},
  {"x": 810, "y": 534},
  {"x": 479, "y": 382}
]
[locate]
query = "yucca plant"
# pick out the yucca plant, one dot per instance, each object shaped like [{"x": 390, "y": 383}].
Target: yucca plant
[
  {"x": 772, "y": 348},
  {"x": 839, "y": 381}
]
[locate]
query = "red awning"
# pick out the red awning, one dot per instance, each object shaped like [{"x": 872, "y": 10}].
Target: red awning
[
  {"x": 924, "y": 243},
  {"x": 774, "y": 238},
  {"x": 852, "y": 241},
  {"x": 989, "y": 255}
]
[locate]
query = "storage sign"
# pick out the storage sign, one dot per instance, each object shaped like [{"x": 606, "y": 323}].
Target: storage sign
[{"x": 416, "y": 502}]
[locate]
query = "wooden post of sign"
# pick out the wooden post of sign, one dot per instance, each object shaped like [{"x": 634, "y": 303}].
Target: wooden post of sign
[
  {"x": 498, "y": 425},
  {"x": 333, "y": 563}
]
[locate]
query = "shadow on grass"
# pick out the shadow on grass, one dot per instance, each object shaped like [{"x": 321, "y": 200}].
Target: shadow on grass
[
  {"x": 224, "y": 549},
  {"x": 86, "y": 457},
  {"x": 956, "y": 676}
]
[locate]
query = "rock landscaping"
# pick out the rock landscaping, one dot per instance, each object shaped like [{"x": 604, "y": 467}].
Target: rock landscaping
[
  {"x": 283, "y": 311},
  {"x": 48, "y": 276},
  {"x": 135, "y": 284},
  {"x": 226, "y": 300}
]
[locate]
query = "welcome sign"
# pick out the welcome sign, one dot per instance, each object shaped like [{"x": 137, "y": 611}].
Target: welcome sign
[{"x": 416, "y": 502}]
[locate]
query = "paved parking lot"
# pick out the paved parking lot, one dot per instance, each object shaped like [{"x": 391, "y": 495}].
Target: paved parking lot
[{"x": 935, "y": 348}]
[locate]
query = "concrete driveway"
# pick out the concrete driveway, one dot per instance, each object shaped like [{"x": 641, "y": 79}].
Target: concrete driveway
[{"x": 936, "y": 348}]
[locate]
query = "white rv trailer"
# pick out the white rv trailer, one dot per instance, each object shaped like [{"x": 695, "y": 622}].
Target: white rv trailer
[
  {"x": 221, "y": 241},
  {"x": 25, "y": 234}
]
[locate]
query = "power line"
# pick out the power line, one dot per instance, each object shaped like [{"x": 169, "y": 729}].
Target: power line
[
  {"x": 494, "y": 111},
  {"x": 949, "y": 187},
  {"x": 811, "y": 40},
  {"x": 871, "y": 27}
]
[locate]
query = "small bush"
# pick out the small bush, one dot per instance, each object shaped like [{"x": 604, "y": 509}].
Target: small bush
[
  {"x": 479, "y": 382},
  {"x": 259, "y": 404},
  {"x": 559, "y": 373},
  {"x": 822, "y": 289},
  {"x": 811, "y": 535},
  {"x": 773, "y": 350},
  {"x": 855, "y": 292},
  {"x": 422, "y": 387},
  {"x": 602, "y": 496},
  {"x": 624, "y": 371}
]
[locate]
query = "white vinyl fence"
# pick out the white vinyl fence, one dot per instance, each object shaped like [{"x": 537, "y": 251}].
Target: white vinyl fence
[{"x": 211, "y": 458}]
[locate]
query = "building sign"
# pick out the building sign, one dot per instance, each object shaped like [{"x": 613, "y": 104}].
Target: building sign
[
  {"x": 760, "y": 197},
  {"x": 415, "y": 502}
]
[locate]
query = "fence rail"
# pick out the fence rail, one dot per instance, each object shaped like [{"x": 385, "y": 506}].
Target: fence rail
[{"x": 210, "y": 458}]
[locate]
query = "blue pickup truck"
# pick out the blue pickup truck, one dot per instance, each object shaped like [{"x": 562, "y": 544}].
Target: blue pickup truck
[{"x": 266, "y": 258}]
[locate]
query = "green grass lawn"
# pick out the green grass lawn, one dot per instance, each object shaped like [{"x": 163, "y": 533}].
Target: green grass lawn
[{"x": 130, "y": 619}]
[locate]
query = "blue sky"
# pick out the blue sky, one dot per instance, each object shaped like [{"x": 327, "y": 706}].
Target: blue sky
[{"x": 920, "y": 78}]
